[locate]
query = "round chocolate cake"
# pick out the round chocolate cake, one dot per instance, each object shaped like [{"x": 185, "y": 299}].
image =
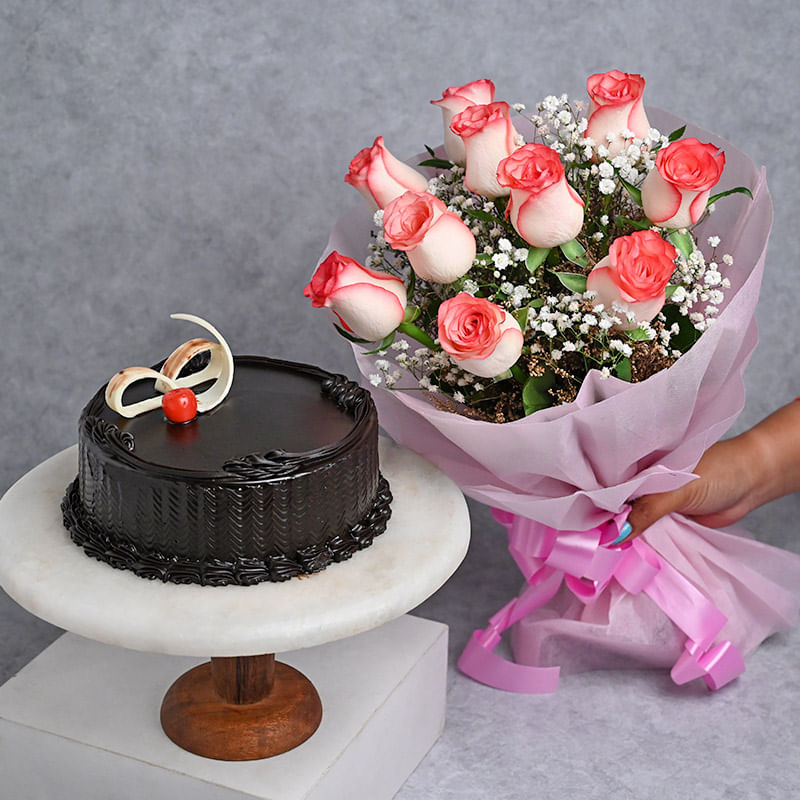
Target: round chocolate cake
[{"x": 278, "y": 480}]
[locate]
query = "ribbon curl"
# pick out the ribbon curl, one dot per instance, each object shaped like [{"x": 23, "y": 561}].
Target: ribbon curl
[{"x": 586, "y": 563}]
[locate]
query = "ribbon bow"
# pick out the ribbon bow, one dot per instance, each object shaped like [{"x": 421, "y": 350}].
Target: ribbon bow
[{"x": 586, "y": 563}]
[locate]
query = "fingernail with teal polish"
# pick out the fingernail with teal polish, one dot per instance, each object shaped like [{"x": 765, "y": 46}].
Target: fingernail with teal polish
[{"x": 623, "y": 534}]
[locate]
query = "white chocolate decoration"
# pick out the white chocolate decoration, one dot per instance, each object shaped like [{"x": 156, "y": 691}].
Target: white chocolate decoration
[{"x": 219, "y": 370}]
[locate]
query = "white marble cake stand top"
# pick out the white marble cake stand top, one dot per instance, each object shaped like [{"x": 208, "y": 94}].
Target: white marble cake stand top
[{"x": 51, "y": 577}]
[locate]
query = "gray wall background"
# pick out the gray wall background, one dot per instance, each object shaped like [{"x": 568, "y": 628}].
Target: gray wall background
[{"x": 189, "y": 156}]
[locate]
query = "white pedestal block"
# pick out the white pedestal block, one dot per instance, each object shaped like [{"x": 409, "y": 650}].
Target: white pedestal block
[{"x": 81, "y": 722}]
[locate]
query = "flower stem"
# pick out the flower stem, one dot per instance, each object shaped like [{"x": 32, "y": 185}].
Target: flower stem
[{"x": 409, "y": 329}]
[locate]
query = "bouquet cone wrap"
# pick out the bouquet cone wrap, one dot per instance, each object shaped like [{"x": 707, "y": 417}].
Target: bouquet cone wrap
[{"x": 574, "y": 468}]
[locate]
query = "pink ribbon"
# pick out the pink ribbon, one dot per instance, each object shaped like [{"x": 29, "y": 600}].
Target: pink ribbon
[{"x": 586, "y": 562}]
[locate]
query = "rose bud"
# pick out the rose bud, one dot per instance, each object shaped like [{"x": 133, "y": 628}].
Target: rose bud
[
  {"x": 381, "y": 177},
  {"x": 488, "y": 137},
  {"x": 675, "y": 193},
  {"x": 454, "y": 100},
  {"x": 483, "y": 338},
  {"x": 440, "y": 247},
  {"x": 615, "y": 105},
  {"x": 544, "y": 209},
  {"x": 634, "y": 275},
  {"x": 369, "y": 304}
]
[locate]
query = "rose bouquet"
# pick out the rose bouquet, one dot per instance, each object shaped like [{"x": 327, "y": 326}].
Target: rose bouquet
[{"x": 574, "y": 289}]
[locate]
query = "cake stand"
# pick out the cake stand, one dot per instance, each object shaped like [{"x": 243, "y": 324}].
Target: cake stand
[{"x": 242, "y": 704}]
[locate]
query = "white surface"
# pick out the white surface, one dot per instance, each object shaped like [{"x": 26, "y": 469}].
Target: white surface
[
  {"x": 83, "y": 717},
  {"x": 51, "y": 577}
]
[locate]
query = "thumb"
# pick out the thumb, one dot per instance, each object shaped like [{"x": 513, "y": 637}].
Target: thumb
[{"x": 650, "y": 508}]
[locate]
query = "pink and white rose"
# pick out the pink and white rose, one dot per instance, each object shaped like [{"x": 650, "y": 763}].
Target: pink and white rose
[
  {"x": 634, "y": 276},
  {"x": 615, "y": 106},
  {"x": 483, "y": 338},
  {"x": 489, "y": 137},
  {"x": 369, "y": 304},
  {"x": 544, "y": 209},
  {"x": 676, "y": 192},
  {"x": 453, "y": 101},
  {"x": 440, "y": 247},
  {"x": 381, "y": 177}
]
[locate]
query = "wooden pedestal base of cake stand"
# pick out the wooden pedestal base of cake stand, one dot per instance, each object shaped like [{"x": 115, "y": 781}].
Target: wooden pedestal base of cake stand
[{"x": 240, "y": 709}]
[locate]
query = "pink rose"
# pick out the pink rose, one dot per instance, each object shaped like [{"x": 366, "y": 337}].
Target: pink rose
[
  {"x": 369, "y": 304},
  {"x": 544, "y": 209},
  {"x": 439, "y": 245},
  {"x": 483, "y": 338},
  {"x": 615, "y": 105},
  {"x": 634, "y": 275},
  {"x": 454, "y": 100},
  {"x": 675, "y": 193},
  {"x": 488, "y": 137},
  {"x": 380, "y": 177}
]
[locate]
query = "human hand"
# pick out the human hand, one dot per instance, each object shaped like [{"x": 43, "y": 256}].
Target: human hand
[{"x": 735, "y": 476}]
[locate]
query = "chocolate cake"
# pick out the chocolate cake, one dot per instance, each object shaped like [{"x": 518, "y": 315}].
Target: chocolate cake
[{"x": 279, "y": 479}]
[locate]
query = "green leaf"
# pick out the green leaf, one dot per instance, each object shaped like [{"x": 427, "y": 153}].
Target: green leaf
[
  {"x": 575, "y": 252},
  {"x": 519, "y": 374},
  {"x": 687, "y": 334},
  {"x": 638, "y": 335},
  {"x": 737, "y": 190},
  {"x": 670, "y": 290},
  {"x": 676, "y": 134},
  {"x": 412, "y": 313},
  {"x": 383, "y": 345},
  {"x": 683, "y": 241},
  {"x": 636, "y": 194},
  {"x": 521, "y": 316},
  {"x": 485, "y": 216},
  {"x": 431, "y": 151},
  {"x": 349, "y": 336},
  {"x": 414, "y": 332},
  {"x": 639, "y": 224},
  {"x": 623, "y": 369},
  {"x": 535, "y": 395},
  {"x": 536, "y": 257},
  {"x": 484, "y": 258},
  {"x": 569, "y": 280},
  {"x": 438, "y": 163}
]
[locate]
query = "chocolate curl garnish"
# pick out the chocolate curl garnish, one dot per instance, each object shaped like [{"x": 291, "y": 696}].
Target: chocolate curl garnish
[{"x": 219, "y": 370}]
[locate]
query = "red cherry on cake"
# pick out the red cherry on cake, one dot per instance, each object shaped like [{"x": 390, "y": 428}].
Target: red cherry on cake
[{"x": 179, "y": 405}]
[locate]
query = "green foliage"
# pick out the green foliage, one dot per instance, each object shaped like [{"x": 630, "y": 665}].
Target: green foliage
[
  {"x": 575, "y": 252},
  {"x": 687, "y": 334},
  {"x": 536, "y": 257},
  {"x": 569, "y": 280},
  {"x": 535, "y": 394},
  {"x": 383, "y": 345},
  {"x": 349, "y": 336},
  {"x": 623, "y": 369},
  {"x": 677, "y": 133},
  {"x": 683, "y": 241},
  {"x": 736, "y": 190}
]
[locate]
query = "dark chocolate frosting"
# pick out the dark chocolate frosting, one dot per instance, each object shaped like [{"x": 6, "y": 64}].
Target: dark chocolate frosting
[{"x": 280, "y": 479}]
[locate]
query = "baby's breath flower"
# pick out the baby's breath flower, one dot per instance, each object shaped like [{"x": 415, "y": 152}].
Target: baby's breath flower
[{"x": 607, "y": 186}]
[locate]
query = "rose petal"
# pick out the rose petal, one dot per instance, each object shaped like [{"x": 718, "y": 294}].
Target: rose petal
[
  {"x": 371, "y": 312},
  {"x": 447, "y": 251},
  {"x": 601, "y": 281}
]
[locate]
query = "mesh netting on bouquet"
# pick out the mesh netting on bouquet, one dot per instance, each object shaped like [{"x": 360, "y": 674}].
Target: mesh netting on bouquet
[{"x": 562, "y": 326}]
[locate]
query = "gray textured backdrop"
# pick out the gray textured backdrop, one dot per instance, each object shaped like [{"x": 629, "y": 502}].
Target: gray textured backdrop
[{"x": 189, "y": 156}]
